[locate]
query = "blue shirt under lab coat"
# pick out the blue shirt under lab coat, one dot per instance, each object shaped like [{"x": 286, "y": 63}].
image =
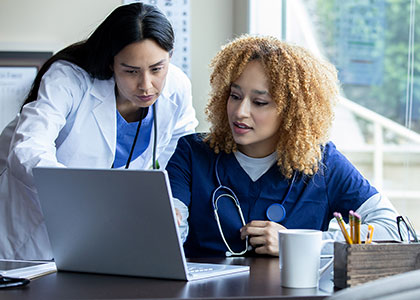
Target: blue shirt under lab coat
[
  {"x": 337, "y": 186},
  {"x": 126, "y": 133}
]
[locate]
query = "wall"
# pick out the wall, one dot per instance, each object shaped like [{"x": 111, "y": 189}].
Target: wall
[
  {"x": 211, "y": 27},
  {"x": 49, "y": 25}
]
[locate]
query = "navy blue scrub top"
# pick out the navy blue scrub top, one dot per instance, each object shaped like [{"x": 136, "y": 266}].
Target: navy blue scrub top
[{"x": 337, "y": 186}]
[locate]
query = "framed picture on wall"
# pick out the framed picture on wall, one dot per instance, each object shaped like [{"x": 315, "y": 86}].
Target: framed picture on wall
[{"x": 17, "y": 72}]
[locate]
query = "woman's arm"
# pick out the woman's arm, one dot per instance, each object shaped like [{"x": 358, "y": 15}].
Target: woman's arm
[
  {"x": 377, "y": 211},
  {"x": 179, "y": 172},
  {"x": 40, "y": 122}
]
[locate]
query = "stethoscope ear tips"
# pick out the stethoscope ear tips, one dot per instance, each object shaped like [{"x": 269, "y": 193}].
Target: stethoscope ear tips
[{"x": 228, "y": 254}]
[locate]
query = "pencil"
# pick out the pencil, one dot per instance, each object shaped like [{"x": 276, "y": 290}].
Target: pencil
[
  {"x": 340, "y": 222},
  {"x": 351, "y": 222},
  {"x": 369, "y": 234},
  {"x": 357, "y": 223}
]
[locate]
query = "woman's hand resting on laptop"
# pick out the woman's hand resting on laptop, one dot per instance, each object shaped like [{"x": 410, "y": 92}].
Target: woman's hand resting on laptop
[{"x": 178, "y": 216}]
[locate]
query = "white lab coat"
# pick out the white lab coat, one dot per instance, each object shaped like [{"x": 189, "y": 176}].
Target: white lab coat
[{"x": 73, "y": 124}]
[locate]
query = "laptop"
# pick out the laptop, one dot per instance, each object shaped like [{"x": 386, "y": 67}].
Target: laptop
[{"x": 119, "y": 222}]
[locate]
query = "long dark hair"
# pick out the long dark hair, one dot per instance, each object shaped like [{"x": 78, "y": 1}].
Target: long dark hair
[{"x": 125, "y": 25}]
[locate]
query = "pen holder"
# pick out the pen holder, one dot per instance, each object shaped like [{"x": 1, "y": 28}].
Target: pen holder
[{"x": 359, "y": 263}]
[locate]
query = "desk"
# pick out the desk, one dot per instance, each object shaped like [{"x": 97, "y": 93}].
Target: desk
[{"x": 263, "y": 281}]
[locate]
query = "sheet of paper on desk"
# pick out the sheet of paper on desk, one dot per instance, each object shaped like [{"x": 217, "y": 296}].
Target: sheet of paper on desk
[{"x": 26, "y": 269}]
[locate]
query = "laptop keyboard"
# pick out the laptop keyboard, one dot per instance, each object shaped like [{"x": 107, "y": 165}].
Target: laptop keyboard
[
  {"x": 200, "y": 268},
  {"x": 206, "y": 270},
  {"x": 197, "y": 269}
]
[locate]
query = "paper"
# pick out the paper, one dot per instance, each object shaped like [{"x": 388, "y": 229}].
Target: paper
[{"x": 26, "y": 269}]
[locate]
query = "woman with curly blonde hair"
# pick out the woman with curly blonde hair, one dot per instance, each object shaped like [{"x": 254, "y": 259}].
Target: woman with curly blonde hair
[{"x": 266, "y": 164}]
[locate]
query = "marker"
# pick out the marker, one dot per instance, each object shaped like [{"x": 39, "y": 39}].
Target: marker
[
  {"x": 369, "y": 234},
  {"x": 340, "y": 222},
  {"x": 357, "y": 223}
]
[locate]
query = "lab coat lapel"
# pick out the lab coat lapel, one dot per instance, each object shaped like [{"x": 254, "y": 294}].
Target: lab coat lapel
[
  {"x": 165, "y": 111},
  {"x": 105, "y": 110}
]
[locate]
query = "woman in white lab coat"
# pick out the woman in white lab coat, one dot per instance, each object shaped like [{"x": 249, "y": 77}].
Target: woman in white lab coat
[{"x": 113, "y": 100}]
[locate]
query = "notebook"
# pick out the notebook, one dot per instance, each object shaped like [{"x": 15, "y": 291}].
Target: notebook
[{"x": 116, "y": 222}]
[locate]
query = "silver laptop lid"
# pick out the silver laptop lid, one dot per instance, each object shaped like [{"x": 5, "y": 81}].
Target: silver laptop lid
[{"x": 111, "y": 221}]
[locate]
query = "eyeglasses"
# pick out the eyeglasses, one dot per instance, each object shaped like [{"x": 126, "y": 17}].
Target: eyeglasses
[
  {"x": 405, "y": 229},
  {"x": 8, "y": 282}
]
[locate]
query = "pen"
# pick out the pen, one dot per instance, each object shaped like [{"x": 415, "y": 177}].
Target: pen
[
  {"x": 9, "y": 282},
  {"x": 340, "y": 222},
  {"x": 411, "y": 229},
  {"x": 369, "y": 234},
  {"x": 357, "y": 222},
  {"x": 351, "y": 222}
]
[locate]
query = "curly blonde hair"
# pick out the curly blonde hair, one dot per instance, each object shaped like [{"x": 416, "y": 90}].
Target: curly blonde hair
[{"x": 304, "y": 88}]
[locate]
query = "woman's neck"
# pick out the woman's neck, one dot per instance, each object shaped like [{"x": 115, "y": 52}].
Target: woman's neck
[
  {"x": 128, "y": 111},
  {"x": 256, "y": 152}
]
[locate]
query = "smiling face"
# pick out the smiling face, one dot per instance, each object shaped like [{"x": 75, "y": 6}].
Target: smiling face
[
  {"x": 252, "y": 113},
  {"x": 140, "y": 71}
]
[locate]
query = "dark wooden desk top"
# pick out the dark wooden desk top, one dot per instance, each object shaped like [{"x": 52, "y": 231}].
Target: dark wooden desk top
[{"x": 263, "y": 281}]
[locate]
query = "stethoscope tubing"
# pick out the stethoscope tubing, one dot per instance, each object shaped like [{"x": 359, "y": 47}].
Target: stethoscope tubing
[
  {"x": 231, "y": 194},
  {"x": 155, "y": 134}
]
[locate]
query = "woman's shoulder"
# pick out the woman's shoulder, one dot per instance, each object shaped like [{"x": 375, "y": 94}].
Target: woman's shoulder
[
  {"x": 333, "y": 159},
  {"x": 176, "y": 81},
  {"x": 65, "y": 69},
  {"x": 67, "y": 66},
  {"x": 196, "y": 141},
  {"x": 330, "y": 152},
  {"x": 65, "y": 82},
  {"x": 193, "y": 149},
  {"x": 177, "y": 74}
]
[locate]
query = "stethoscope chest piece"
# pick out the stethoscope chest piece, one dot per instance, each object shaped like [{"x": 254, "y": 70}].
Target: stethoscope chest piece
[{"x": 276, "y": 212}]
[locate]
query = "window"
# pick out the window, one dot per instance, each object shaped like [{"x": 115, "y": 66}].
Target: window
[{"x": 373, "y": 44}]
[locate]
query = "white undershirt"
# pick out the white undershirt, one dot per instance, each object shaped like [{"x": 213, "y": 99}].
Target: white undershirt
[{"x": 255, "y": 167}]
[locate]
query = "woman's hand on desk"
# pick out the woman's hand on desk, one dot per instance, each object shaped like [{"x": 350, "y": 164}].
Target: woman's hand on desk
[{"x": 263, "y": 236}]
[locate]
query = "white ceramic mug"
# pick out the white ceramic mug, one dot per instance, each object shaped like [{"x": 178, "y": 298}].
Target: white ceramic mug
[{"x": 299, "y": 256}]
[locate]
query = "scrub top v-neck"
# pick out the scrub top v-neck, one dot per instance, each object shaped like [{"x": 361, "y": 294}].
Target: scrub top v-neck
[{"x": 126, "y": 133}]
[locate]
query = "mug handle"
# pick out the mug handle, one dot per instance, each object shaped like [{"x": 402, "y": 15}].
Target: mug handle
[{"x": 329, "y": 263}]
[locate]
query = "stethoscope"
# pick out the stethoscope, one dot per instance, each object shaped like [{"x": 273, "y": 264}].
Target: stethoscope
[
  {"x": 275, "y": 212},
  {"x": 143, "y": 113}
]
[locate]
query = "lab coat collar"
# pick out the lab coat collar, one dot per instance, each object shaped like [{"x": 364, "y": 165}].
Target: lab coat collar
[
  {"x": 166, "y": 107},
  {"x": 103, "y": 89},
  {"x": 166, "y": 93}
]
